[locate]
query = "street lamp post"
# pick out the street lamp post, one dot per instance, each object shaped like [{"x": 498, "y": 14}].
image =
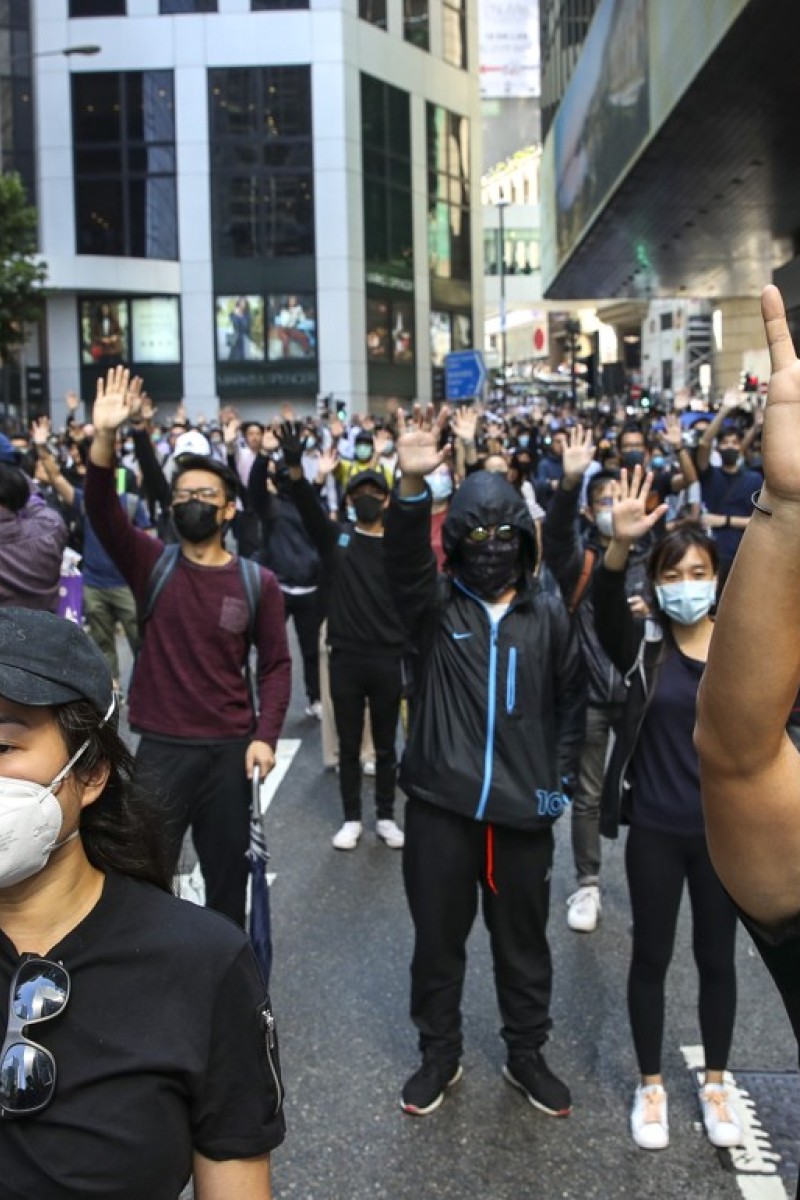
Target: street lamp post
[{"x": 501, "y": 208}]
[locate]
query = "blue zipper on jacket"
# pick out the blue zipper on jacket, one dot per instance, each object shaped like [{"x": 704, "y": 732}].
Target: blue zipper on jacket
[
  {"x": 491, "y": 715},
  {"x": 511, "y": 680}
]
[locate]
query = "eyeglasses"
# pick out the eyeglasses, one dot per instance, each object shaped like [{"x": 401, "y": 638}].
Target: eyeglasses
[
  {"x": 39, "y": 991},
  {"x": 482, "y": 533},
  {"x": 181, "y": 495}
]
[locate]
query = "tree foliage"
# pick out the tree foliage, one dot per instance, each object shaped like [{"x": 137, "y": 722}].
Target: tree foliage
[{"x": 22, "y": 274}]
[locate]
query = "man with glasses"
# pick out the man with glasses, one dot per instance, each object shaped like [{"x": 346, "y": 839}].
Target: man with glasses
[
  {"x": 496, "y": 723},
  {"x": 189, "y": 696}
]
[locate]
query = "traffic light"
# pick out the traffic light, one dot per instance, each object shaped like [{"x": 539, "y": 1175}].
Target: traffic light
[{"x": 748, "y": 383}]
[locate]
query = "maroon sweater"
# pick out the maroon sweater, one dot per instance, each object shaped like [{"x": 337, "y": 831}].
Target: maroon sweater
[{"x": 188, "y": 681}]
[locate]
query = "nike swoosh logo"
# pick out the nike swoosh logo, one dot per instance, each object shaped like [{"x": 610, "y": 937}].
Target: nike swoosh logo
[{"x": 459, "y": 637}]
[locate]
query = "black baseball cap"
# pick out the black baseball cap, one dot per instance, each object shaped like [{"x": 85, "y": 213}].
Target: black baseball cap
[
  {"x": 376, "y": 478},
  {"x": 46, "y": 660}
]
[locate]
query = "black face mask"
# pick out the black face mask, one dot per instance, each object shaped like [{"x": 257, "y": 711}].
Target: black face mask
[
  {"x": 489, "y": 568},
  {"x": 632, "y": 458},
  {"x": 195, "y": 521},
  {"x": 367, "y": 509},
  {"x": 729, "y": 456}
]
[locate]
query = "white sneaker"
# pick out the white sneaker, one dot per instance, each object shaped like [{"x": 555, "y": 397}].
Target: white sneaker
[
  {"x": 347, "y": 837},
  {"x": 583, "y": 909},
  {"x": 368, "y": 767},
  {"x": 314, "y": 709},
  {"x": 391, "y": 833},
  {"x": 649, "y": 1125},
  {"x": 719, "y": 1116}
]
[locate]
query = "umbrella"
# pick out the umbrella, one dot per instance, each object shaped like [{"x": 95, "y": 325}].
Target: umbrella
[{"x": 260, "y": 929}]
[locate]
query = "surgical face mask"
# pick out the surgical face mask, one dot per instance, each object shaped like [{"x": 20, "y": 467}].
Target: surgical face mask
[
  {"x": 632, "y": 458},
  {"x": 687, "y": 601},
  {"x": 604, "y": 520},
  {"x": 523, "y": 441},
  {"x": 363, "y": 452},
  {"x": 388, "y": 448},
  {"x": 729, "y": 456},
  {"x": 367, "y": 509},
  {"x": 658, "y": 462},
  {"x": 30, "y": 822},
  {"x": 195, "y": 520},
  {"x": 441, "y": 486},
  {"x": 311, "y": 443},
  {"x": 127, "y": 446},
  {"x": 490, "y": 568}
]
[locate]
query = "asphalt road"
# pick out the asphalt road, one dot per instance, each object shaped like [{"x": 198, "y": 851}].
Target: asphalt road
[{"x": 340, "y": 992}]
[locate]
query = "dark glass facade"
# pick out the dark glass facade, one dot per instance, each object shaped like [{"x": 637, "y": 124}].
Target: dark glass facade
[
  {"x": 271, "y": 5},
  {"x": 416, "y": 23},
  {"x": 16, "y": 95},
  {"x": 168, "y": 7},
  {"x": 262, "y": 197},
  {"x": 388, "y": 238},
  {"x": 97, "y": 8},
  {"x": 373, "y": 11},
  {"x": 124, "y": 146},
  {"x": 263, "y": 241},
  {"x": 563, "y": 26},
  {"x": 449, "y": 216}
]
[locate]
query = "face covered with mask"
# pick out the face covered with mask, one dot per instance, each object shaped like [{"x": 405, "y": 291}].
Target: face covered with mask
[
  {"x": 489, "y": 560},
  {"x": 367, "y": 498},
  {"x": 687, "y": 591},
  {"x": 730, "y": 454},
  {"x": 200, "y": 507}
]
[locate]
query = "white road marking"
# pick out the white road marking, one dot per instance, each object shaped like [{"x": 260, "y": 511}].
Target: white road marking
[
  {"x": 755, "y": 1162},
  {"x": 190, "y": 885}
]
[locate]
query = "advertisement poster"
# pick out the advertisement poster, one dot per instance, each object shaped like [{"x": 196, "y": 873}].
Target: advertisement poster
[
  {"x": 292, "y": 327},
  {"x": 156, "y": 330},
  {"x": 240, "y": 328},
  {"x": 508, "y": 33},
  {"x": 104, "y": 333}
]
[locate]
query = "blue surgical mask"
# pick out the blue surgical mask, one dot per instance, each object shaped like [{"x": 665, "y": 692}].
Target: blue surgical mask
[
  {"x": 388, "y": 448},
  {"x": 363, "y": 452},
  {"x": 441, "y": 486},
  {"x": 523, "y": 441},
  {"x": 687, "y": 601},
  {"x": 311, "y": 443},
  {"x": 658, "y": 462}
]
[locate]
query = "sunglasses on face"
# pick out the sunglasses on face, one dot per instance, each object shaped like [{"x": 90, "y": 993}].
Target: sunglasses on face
[
  {"x": 482, "y": 533},
  {"x": 39, "y": 991}
]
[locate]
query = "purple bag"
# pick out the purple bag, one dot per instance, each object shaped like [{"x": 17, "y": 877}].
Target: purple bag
[{"x": 70, "y": 598}]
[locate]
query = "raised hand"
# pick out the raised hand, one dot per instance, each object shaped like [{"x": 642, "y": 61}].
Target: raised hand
[
  {"x": 336, "y": 427},
  {"x": 287, "y": 412},
  {"x": 465, "y": 423},
  {"x": 418, "y": 450},
  {"x": 291, "y": 444},
  {"x": 72, "y": 400},
  {"x": 381, "y": 439},
  {"x": 135, "y": 397},
  {"x": 673, "y": 434},
  {"x": 781, "y": 432},
  {"x": 148, "y": 409},
  {"x": 326, "y": 464},
  {"x": 112, "y": 404},
  {"x": 230, "y": 430},
  {"x": 731, "y": 401},
  {"x": 40, "y": 430},
  {"x": 631, "y": 518},
  {"x": 578, "y": 454}
]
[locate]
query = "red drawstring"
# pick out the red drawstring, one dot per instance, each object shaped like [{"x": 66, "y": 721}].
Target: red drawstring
[{"x": 490, "y": 859}]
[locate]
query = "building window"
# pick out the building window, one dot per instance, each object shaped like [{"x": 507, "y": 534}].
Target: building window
[
  {"x": 386, "y": 142},
  {"x": 168, "y": 7},
  {"x": 373, "y": 11},
  {"x": 262, "y": 192},
  {"x": 124, "y": 146},
  {"x": 521, "y": 252},
  {"x": 454, "y": 32},
  {"x": 449, "y": 218},
  {"x": 270, "y": 5},
  {"x": 97, "y": 8},
  {"x": 416, "y": 23},
  {"x": 16, "y": 96},
  {"x": 666, "y": 321}
]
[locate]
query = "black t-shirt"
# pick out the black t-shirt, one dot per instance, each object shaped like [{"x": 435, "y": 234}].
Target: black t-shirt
[
  {"x": 165, "y": 1047},
  {"x": 665, "y": 774}
]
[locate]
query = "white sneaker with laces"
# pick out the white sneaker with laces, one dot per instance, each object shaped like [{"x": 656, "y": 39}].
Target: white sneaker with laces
[
  {"x": 368, "y": 766},
  {"x": 649, "y": 1125},
  {"x": 347, "y": 837},
  {"x": 390, "y": 833},
  {"x": 314, "y": 709},
  {"x": 720, "y": 1118},
  {"x": 583, "y": 909}
]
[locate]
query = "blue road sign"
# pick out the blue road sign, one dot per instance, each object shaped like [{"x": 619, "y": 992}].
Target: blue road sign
[{"x": 465, "y": 374}]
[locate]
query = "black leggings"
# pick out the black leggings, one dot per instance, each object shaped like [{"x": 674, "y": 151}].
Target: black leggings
[{"x": 657, "y": 865}]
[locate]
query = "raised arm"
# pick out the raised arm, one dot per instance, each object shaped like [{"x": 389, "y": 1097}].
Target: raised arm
[
  {"x": 730, "y": 402},
  {"x": 560, "y": 541},
  {"x": 749, "y": 769}
]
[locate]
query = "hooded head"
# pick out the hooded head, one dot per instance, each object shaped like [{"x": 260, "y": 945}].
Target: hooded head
[{"x": 487, "y": 500}]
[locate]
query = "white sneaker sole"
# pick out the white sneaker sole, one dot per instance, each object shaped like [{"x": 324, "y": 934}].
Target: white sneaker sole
[{"x": 412, "y": 1111}]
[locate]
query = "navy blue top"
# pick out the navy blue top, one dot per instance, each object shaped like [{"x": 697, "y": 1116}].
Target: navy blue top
[
  {"x": 664, "y": 771},
  {"x": 729, "y": 495}
]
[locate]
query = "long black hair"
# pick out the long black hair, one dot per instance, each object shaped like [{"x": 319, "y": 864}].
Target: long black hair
[{"x": 123, "y": 830}]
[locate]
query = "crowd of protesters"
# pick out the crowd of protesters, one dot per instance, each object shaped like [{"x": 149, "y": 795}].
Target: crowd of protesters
[{"x": 526, "y": 592}]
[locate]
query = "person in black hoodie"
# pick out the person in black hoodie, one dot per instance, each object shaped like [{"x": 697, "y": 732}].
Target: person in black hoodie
[
  {"x": 366, "y": 637},
  {"x": 496, "y": 724}
]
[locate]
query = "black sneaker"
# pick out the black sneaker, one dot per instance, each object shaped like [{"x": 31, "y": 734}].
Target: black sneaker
[
  {"x": 425, "y": 1090},
  {"x": 532, "y": 1076}
]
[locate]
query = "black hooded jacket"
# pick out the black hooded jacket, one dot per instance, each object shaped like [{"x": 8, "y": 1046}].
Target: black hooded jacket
[{"x": 497, "y": 718}]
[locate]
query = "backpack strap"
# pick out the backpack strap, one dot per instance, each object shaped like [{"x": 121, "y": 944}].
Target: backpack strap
[
  {"x": 250, "y": 573},
  {"x": 161, "y": 572},
  {"x": 589, "y": 559}
]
